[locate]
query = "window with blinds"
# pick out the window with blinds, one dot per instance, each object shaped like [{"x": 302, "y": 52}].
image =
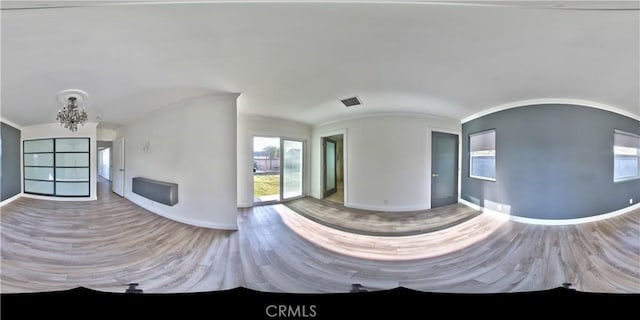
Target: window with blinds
[
  {"x": 482, "y": 155},
  {"x": 57, "y": 167},
  {"x": 626, "y": 156}
]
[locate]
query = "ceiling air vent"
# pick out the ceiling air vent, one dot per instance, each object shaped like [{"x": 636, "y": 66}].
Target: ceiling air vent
[{"x": 348, "y": 102}]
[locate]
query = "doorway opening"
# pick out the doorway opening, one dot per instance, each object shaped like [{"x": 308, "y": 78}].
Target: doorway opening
[
  {"x": 104, "y": 168},
  {"x": 333, "y": 168},
  {"x": 277, "y": 169},
  {"x": 104, "y": 163}
]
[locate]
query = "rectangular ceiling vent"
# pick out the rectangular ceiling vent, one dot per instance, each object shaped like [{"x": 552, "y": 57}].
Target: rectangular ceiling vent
[{"x": 349, "y": 102}]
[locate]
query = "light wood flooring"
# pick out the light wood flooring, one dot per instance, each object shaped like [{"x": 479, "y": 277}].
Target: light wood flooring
[
  {"x": 377, "y": 223},
  {"x": 105, "y": 244},
  {"x": 338, "y": 196}
]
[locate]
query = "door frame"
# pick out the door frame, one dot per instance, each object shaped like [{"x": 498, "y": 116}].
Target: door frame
[
  {"x": 458, "y": 133},
  {"x": 345, "y": 163},
  {"x": 304, "y": 168}
]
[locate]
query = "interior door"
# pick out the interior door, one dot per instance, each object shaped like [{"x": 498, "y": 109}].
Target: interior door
[
  {"x": 329, "y": 166},
  {"x": 117, "y": 177},
  {"x": 292, "y": 157},
  {"x": 444, "y": 169}
]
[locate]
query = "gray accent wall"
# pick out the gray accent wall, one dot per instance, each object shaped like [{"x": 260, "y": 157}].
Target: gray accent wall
[
  {"x": 10, "y": 176},
  {"x": 553, "y": 161}
]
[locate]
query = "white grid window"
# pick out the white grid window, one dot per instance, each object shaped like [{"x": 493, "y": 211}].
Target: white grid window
[
  {"x": 482, "y": 155},
  {"x": 626, "y": 156}
]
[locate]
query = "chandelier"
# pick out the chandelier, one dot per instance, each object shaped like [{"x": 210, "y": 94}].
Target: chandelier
[{"x": 70, "y": 115}]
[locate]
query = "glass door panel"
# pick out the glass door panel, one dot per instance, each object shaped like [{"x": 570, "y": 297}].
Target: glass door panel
[
  {"x": 41, "y": 145},
  {"x": 72, "y": 145},
  {"x": 38, "y": 173},
  {"x": 330, "y": 173},
  {"x": 266, "y": 169},
  {"x": 72, "y": 189},
  {"x": 38, "y": 187},
  {"x": 72, "y": 174},
  {"x": 38, "y": 159},
  {"x": 72, "y": 160},
  {"x": 292, "y": 168}
]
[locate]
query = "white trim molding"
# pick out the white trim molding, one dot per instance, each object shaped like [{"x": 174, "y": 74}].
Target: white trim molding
[
  {"x": 551, "y": 222},
  {"x": 7, "y": 201},
  {"x": 524, "y": 103},
  {"x": 244, "y": 205},
  {"x": 11, "y": 123}
]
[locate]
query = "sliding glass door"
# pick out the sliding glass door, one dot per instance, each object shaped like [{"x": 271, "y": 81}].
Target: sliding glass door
[
  {"x": 266, "y": 169},
  {"x": 292, "y": 158},
  {"x": 57, "y": 167},
  {"x": 278, "y": 169}
]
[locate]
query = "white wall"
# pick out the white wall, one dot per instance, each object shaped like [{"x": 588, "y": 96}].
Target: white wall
[
  {"x": 387, "y": 160},
  {"x": 191, "y": 143},
  {"x": 106, "y": 134},
  {"x": 249, "y": 126},
  {"x": 54, "y": 130}
]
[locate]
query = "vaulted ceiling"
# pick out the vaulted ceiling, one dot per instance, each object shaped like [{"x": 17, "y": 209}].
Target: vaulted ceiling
[{"x": 296, "y": 60}]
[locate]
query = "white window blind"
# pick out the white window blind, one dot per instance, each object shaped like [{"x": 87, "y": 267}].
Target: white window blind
[
  {"x": 626, "y": 156},
  {"x": 482, "y": 155}
]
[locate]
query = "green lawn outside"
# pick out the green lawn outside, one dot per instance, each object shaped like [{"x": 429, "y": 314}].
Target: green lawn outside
[{"x": 265, "y": 185}]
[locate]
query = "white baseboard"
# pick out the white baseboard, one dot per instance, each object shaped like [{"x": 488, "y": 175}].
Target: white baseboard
[
  {"x": 245, "y": 205},
  {"x": 5, "y": 202},
  {"x": 552, "y": 222}
]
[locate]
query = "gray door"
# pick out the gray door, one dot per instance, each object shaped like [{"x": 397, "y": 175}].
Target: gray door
[
  {"x": 444, "y": 169},
  {"x": 329, "y": 165}
]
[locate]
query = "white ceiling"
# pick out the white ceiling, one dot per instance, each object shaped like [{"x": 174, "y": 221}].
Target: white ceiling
[{"x": 296, "y": 60}]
